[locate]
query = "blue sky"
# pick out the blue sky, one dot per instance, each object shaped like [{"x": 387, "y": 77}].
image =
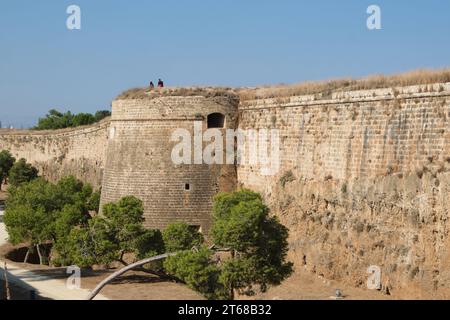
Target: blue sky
[{"x": 124, "y": 44}]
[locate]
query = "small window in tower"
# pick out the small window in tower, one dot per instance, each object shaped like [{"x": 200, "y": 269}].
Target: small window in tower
[
  {"x": 187, "y": 187},
  {"x": 216, "y": 120}
]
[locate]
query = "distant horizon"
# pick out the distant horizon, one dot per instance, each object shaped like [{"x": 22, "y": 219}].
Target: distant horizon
[{"x": 231, "y": 43}]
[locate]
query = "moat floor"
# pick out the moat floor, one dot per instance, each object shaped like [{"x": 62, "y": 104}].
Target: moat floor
[{"x": 306, "y": 286}]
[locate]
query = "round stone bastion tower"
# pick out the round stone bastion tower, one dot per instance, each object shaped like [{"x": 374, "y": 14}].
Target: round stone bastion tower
[{"x": 139, "y": 158}]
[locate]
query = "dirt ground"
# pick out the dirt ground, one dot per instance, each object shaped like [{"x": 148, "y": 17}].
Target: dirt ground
[
  {"x": 303, "y": 285},
  {"x": 131, "y": 286}
]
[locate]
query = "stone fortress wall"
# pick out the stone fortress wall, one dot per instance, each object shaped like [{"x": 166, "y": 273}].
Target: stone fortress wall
[
  {"x": 364, "y": 181},
  {"x": 139, "y": 159},
  {"x": 364, "y": 178},
  {"x": 80, "y": 151}
]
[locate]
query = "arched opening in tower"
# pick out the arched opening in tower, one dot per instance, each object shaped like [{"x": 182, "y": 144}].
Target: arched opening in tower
[{"x": 216, "y": 120}]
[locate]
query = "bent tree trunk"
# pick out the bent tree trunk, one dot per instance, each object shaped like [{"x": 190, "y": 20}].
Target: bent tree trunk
[{"x": 138, "y": 264}]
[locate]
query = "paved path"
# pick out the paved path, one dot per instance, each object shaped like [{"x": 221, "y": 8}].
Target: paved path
[{"x": 44, "y": 286}]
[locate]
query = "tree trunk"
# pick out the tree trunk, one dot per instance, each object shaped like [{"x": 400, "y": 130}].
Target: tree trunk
[
  {"x": 120, "y": 260},
  {"x": 27, "y": 255},
  {"x": 233, "y": 256},
  {"x": 41, "y": 260},
  {"x": 7, "y": 291}
]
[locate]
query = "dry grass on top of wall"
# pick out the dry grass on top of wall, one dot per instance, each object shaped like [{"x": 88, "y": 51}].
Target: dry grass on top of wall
[
  {"x": 418, "y": 77},
  {"x": 208, "y": 92}
]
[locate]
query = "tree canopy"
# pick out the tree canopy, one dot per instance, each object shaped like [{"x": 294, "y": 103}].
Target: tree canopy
[
  {"x": 6, "y": 163},
  {"x": 58, "y": 120},
  {"x": 256, "y": 243},
  {"x": 180, "y": 236},
  {"x": 109, "y": 237},
  {"x": 22, "y": 172},
  {"x": 39, "y": 211},
  {"x": 198, "y": 270}
]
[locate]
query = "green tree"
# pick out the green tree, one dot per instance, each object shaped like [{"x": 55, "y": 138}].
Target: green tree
[
  {"x": 149, "y": 244},
  {"x": 93, "y": 202},
  {"x": 102, "y": 114},
  {"x": 180, "y": 236},
  {"x": 39, "y": 211},
  {"x": 257, "y": 242},
  {"x": 72, "y": 216},
  {"x": 22, "y": 172},
  {"x": 54, "y": 120},
  {"x": 117, "y": 232},
  {"x": 29, "y": 213},
  {"x": 58, "y": 120},
  {"x": 6, "y": 163},
  {"x": 198, "y": 270},
  {"x": 125, "y": 219},
  {"x": 73, "y": 191},
  {"x": 91, "y": 245},
  {"x": 82, "y": 119}
]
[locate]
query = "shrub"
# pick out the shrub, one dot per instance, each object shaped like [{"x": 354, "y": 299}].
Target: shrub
[
  {"x": 198, "y": 271},
  {"x": 287, "y": 178},
  {"x": 6, "y": 163},
  {"x": 22, "y": 172},
  {"x": 58, "y": 120}
]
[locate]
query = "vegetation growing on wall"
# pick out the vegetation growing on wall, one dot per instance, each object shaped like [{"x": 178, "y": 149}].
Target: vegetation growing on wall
[{"x": 58, "y": 120}]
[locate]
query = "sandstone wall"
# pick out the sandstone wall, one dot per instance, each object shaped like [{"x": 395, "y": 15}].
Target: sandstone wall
[
  {"x": 139, "y": 159},
  {"x": 80, "y": 152},
  {"x": 364, "y": 180}
]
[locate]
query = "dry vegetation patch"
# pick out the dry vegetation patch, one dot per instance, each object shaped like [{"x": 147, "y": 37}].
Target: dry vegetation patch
[
  {"x": 207, "y": 92},
  {"x": 418, "y": 77}
]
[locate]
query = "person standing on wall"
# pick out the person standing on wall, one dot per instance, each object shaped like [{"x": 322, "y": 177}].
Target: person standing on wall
[
  {"x": 152, "y": 85},
  {"x": 160, "y": 84}
]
